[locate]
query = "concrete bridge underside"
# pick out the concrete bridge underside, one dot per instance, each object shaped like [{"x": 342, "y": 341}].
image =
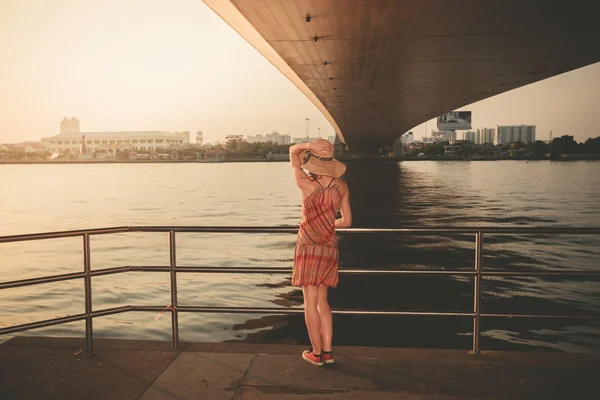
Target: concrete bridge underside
[{"x": 377, "y": 68}]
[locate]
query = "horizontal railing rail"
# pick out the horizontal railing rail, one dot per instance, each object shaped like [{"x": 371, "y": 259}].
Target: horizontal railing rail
[
  {"x": 173, "y": 269},
  {"x": 291, "y": 229}
]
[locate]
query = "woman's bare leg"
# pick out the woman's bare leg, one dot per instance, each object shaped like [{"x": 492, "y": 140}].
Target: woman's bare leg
[
  {"x": 326, "y": 318},
  {"x": 311, "y": 316}
]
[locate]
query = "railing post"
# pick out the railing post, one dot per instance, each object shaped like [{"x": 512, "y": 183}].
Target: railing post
[
  {"x": 87, "y": 284},
  {"x": 477, "y": 292},
  {"x": 173, "y": 263}
]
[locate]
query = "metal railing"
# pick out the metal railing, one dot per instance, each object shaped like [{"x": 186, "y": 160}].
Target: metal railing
[{"x": 173, "y": 269}]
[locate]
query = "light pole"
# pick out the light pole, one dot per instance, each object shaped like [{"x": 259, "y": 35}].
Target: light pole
[
  {"x": 319, "y": 132},
  {"x": 307, "y": 119}
]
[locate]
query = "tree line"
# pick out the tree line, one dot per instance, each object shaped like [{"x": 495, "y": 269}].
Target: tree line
[
  {"x": 565, "y": 144},
  {"x": 242, "y": 146}
]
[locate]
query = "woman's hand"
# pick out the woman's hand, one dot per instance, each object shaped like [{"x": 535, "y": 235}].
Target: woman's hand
[{"x": 321, "y": 147}]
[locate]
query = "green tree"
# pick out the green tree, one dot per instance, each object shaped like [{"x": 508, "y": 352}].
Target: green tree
[
  {"x": 539, "y": 148},
  {"x": 564, "y": 145},
  {"x": 435, "y": 149},
  {"x": 592, "y": 145}
]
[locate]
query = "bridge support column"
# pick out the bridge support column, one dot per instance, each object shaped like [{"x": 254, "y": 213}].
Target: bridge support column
[
  {"x": 398, "y": 149},
  {"x": 339, "y": 149}
]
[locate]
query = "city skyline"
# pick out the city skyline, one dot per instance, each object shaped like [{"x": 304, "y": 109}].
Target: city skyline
[{"x": 179, "y": 67}]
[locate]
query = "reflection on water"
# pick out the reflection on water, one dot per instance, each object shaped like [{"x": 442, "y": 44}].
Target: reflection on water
[{"x": 411, "y": 194}]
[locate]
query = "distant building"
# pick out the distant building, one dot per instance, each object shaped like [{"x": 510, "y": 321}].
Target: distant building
[
  {"x": 274, "y": 137},
  {"x": 27, "y": 147},
  {"x": 453, "y": 150},
  {"x": 71, "y": 142},
  {"x": 444, "y": 136},
  {"x": 277, "y": 138},
  {"x": 304, "y": 139},
  {"x": 331, "y": 139},
  {"x": 486, "y": 135},
  {"x": 417, "y": 144},
  {"x": 472, "y": 136},
  {"x": 256, "y": 139},
  {"x": 234, "y": 137},
  {"x": 407, "y": 138},
  {"x": 481, "y": 136},
  {"x": 185, "y": 135},
  {"x": 69, "y": 125},
  {"x": 199, "y": 139},
  {"x": 516, "y": 133}
]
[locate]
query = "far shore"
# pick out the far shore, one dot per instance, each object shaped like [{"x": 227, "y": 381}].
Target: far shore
[
  {"x": 256, "y": 160},
  {"x": 132, "y": 161}
]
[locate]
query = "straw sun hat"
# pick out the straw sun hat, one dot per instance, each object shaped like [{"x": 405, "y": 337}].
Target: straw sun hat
[{"x": 322, "y": 164}]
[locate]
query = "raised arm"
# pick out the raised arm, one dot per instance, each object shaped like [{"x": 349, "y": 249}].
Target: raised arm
[
  {"x": 295, "y": 161},
  {"x": 346, "y": 220},
  {"x": 317, "y": 146}
]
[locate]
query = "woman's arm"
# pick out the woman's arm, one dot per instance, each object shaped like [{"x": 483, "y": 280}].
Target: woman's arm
[
  {"x": 317, "y": 146},
  {"x": 296, "y": 163},
  {"x": 295, "y": 151},
  {"x": 345, "y": 210}
]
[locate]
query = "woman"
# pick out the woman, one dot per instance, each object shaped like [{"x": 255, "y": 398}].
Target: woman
[{"x": 316, "y": 257}]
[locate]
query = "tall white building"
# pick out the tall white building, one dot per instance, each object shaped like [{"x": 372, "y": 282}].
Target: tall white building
[
  {"x": 199, "y": 138},
  {"x": 277, "y": 138},
  {"x": 486, "y": 135},
  {"x": 516, "y": 133},
  {"x": 303, "y": 139},
  {"x": 69, "y": 125},
  {"x": 274, "y": 137},
  {"x": 472, "y": 136},
  {"x": 256, "y": 139},
  {"x": 72, "y": 142}
]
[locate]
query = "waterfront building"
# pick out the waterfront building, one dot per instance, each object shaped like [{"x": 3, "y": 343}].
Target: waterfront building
[
  {"x": 185, "y": 135},
  {"x": 199, "y": 139},
  {"x": 71, "y": 142},
  {"x": 303, "y": 139},
  {"x": 68, "y": 125},
  {"x": 277, "y": 138},
  {"x": 256, "y": 139},
  {"x": 26, "y": 147},
  {"x": 453, "y": 151},
  {"x": 407, "y": 139},
  {"x": 516, "y": 133},
  {"x": 417, "y": 144},
  {"x": 443, "y": 136},
  {"x": 274, "y": 137}
]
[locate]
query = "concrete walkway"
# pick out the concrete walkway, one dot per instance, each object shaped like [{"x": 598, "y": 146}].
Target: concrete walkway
[{"x": 54, "y": 368}]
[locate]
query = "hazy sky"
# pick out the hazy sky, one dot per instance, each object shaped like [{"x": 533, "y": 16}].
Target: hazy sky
[{"x": 175, "y": 65}]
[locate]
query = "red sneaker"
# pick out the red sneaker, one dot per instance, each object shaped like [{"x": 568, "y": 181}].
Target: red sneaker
[
  {"x": 328, "y": 357},
  {"x": 310, "y": 357}
]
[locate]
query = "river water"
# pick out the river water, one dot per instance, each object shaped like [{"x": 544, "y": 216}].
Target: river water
[{"x": 40, "y": 198}]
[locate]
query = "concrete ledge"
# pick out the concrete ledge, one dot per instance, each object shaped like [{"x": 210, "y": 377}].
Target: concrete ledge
[
  {"x": 56, "y": 368},
  {"x": 49, "y": 368}
]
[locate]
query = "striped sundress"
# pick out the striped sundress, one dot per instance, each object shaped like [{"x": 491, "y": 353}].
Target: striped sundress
[{"x": 316, "y": 255}]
